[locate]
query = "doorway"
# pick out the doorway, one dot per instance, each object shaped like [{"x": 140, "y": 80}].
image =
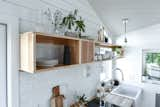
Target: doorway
[{"x": 3, "y": 65}]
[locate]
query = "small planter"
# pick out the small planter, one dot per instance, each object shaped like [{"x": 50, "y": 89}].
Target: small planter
[{"x": 71, "y": 34}]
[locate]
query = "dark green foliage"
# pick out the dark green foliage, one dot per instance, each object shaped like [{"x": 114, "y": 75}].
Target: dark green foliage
[
  {"x": 82, "y": 99},
  {"x": 80, "y": 26},
  {"x": 153, "y": 58},
  {"x": 71, "y": 21},
  {"x": 117, "y": 50}
]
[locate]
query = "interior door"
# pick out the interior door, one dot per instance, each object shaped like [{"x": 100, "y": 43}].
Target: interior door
[{"x": 3, "y": 66}]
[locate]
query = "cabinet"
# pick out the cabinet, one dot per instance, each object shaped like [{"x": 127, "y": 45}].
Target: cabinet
[
  {"x": 28, "y": 52},
  {"x": 87, "y": 51},
  {"x": 81, "y": 51}
]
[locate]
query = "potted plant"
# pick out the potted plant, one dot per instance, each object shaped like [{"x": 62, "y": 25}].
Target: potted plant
[
  {"x": 82, "y": 99},
  {"x": 118, "y": 52},
  {"x": 71, "y": 21},
  {"x": 80, "y": 26}
]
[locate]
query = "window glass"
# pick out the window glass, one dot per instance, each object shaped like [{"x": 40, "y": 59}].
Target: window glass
[{"x": 151, "y": 65}]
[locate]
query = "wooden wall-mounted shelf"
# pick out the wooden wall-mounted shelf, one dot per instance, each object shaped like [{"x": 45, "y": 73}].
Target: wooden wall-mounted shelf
[
  {"x": 82, "y": 51},
  {"x": 107, "y": 45}
]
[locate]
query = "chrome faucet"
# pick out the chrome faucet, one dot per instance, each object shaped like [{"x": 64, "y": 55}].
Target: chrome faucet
[{"x": 117, "y": 69}]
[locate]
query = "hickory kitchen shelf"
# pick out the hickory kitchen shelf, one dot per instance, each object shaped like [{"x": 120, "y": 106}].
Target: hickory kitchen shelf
[{"x": 82, "y": 51}]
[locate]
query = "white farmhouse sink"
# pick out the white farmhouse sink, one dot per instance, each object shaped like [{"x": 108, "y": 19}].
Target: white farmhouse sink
[{"x": 129, "y": 91}]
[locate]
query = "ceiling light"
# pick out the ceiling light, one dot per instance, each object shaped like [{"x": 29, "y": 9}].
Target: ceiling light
[{"x": 125, "y": 21}]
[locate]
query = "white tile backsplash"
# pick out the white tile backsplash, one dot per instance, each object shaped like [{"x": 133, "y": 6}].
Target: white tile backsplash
[{"x": 36, "y": 88}]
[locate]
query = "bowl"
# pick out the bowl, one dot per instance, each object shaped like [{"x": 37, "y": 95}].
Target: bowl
[{"x": 47, "y": 62}]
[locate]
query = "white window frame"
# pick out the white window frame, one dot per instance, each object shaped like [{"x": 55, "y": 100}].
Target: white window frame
[
  {"x": 143, "y": 78},
  {"x": 12, "y": 59}
]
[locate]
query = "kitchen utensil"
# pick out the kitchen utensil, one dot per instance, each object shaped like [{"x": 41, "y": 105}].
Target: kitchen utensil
[
  {"x": 59, "y": 101},
  {"x": 56, "y": 91},
  {"x": 56, "y": 99}
]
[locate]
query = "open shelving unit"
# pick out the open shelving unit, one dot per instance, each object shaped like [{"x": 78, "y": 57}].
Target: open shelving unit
[
  {"x": 81, "y": 50},
  {"x": 107, "y": 45}
]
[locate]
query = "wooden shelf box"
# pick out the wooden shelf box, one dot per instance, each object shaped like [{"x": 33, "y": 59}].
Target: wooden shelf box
[
  {"x": 82, "y": 51},
  {"x": 87, "y": 51},
  {"x": 29, "y": 41}
]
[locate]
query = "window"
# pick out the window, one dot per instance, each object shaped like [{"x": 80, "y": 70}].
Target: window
[{"x": 151, "y": 66}]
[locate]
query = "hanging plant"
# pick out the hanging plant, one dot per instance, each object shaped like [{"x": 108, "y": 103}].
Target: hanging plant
[{"x": 80, "y": 26}]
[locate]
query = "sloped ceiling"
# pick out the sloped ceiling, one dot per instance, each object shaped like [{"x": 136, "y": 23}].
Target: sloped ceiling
[{"x": 141, "y": 13}]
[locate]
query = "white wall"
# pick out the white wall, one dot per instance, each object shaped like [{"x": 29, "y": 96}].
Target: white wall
[
  {"x": 32, "y": 18},
  {"x": 36, "y": 89},
  {"x": 146, "y": 38}
]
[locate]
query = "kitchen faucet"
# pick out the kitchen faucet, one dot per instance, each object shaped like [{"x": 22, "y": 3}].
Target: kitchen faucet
[{"x": 118, "y": 69}]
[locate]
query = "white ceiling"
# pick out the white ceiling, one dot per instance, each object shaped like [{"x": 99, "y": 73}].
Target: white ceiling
[{"x": 141, "y": 13}]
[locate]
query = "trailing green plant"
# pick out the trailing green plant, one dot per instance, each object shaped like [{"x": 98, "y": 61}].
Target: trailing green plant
[{"x": 80, "y": 26}]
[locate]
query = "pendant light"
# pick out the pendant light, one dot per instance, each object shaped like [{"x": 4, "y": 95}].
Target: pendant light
[{"x": 125, "y": 21}]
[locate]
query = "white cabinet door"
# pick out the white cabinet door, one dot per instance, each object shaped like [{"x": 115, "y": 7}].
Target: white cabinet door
[{"x": 3, "y": 66}]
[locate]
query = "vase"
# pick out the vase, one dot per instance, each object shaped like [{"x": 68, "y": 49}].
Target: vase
[{"x": 67, "y": 56}]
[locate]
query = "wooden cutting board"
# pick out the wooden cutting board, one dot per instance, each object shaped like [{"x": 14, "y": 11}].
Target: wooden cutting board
[
  {"x": 53, "y": 102},
  {"x": 57, "y": 101}
]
